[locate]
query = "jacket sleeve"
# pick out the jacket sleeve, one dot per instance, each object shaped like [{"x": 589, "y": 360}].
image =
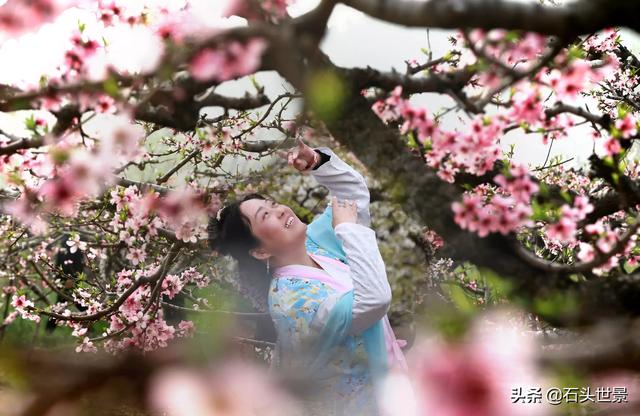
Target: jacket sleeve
[
  {"x": 371, "y": 289},
  {"x": 344, "y": 182}
]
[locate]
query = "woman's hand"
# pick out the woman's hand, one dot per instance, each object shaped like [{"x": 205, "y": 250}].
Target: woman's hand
[
  {"x": 302, "y": 157},
  {"x": 344, "y": 211}
]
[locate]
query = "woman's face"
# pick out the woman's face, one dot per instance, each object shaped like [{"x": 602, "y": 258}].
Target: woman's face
[{"x": 275, "y": 225}]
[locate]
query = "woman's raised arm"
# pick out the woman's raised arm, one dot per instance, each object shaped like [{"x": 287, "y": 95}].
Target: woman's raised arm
[{"x": 344, "y": 182}]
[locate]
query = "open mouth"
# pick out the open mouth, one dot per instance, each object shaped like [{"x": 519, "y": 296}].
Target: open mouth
[{"x": 289, "y": 222}]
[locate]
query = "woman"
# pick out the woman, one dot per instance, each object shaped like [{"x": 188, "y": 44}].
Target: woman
[{"x": 326, "y": 284}]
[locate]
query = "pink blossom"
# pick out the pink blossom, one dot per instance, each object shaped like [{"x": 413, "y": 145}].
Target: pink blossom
[
  {"x": 126, "y": 237},
  {"x": 628, "y": 126},
  {"x": 586, "y": 252},
  {"x": 244, "y": 8},
  {"x": 489, "y": 79},
  {"x": 604, "y": 41},
  {"x": 26, "y": 211},
  {"x": 612, "y": 262},
  {"x": 596, "y": 228},
  {"x": 171, "y": 285},
  {"x": 520, "y": 185},
  {"x": 392, "y": 107},
  {"x": 447, "y": 173},
  {"x": 10, "y": 318},
  {"x": 186, "y": 329},
  {"x": 417, "y": 119},
  {"x": 563, "y": 230},
  {"x": 467, "y": 211},
  {"x": 132, "y": 307},
  {"x": 606, "y": 242},
  {"x": 116, "y": 324},
  {"x": 527, "y": 48},
  {"x": 582, "y": 206},
  {"x": 105, "y": 104},
  {"x": 89, "y": 172},
  {"x": 78, "y": 330},
  {"x": 21, "y": 302},
  {"x": 18, "y": 16},
  {"x": 61, "y": 194},
  {"x": 473, "y": 377},
  {"x": 23, "y": 307},
  {"x": 124, "y": 277},
  {"x": 574, "y": 79},
  {"x": 612, "y": 146},
  {"x": 75, "y": 244},
  {"x": 233, "y": 60},
  {"x": 185, "y": 212},
  {"x": 137, "y": 255},
  {"x": 527, "y": 107},
  {"x": 487, "y": 222},
  {"x": 222, "y": 390},
  {"x": 86, "y": 346},
  {"x": 121, "y": 138},
  {"x": 191, "y": 275}
]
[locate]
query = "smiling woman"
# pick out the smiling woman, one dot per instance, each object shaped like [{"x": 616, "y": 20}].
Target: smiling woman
[{"x": 325, "y": 283}]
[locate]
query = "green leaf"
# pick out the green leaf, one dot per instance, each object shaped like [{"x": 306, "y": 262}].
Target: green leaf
[
  {"x": 110, "y": 87},
  {"x": 576, "y": 52},
  {"x": 629, "y": 268},
  {"x": 255, "y": 82},
  {"x": 411, "y": 140},
  {"x": 622, "y": 110},
  {"x": 30, "y": 122},
  {"x": 575, "y": 277},
  {"x": 543, "y": 189},
  {"x": 499, "y": 287},
  {"x": 616, "y": 178},
  {"x": 461, "y": 300},
  {"x": 512, "y": 36}
]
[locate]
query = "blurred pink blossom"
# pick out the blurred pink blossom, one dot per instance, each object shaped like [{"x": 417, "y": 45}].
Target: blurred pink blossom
[
  {"x": 471, "y": 377},
  {"x": 230, "y": 61},
  {"x": 223, "y": 390}
]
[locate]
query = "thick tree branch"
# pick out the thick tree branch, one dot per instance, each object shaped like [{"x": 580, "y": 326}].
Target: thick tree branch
[
  {"x": 360, "y": 78},
  {"x": 574, "y": 18}
]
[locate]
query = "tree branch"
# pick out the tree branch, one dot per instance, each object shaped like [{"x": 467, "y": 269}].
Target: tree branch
[{"x": 574, "y": 18}]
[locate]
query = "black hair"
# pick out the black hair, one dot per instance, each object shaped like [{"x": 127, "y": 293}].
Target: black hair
[
  {"x": 68, "y": 267},
  {"x": 231, "y": 235}
]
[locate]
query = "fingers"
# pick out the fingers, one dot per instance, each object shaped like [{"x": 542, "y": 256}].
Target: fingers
[
  {"x": 344, "y": 203},
  {"x": 293, "y": 155},
  {"x": 300, "y": 164},
  {"x": 297, "y": 156}
]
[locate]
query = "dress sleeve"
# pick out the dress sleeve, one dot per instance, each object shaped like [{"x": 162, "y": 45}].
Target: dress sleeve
[
  {"x": 371, "y": 289},
  {"x": 344, "y": 182}
]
